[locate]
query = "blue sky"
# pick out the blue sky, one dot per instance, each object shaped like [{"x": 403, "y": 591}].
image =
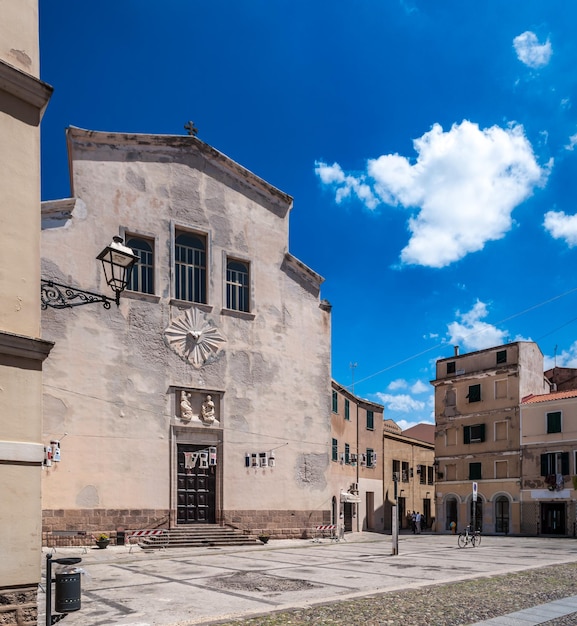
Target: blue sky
[{"x": 430, "y": 148}]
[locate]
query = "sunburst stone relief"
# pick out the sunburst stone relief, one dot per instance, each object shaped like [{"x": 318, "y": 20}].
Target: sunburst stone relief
[{"x": 194, "y": 337}]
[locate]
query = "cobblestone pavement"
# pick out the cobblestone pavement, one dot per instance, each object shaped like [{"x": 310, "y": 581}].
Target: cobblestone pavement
[{"x": 453, "y": 604}]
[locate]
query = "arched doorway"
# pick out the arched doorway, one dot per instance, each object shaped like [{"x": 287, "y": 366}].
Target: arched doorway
[
  {"x": 451, "y": 512},
  {"x": 502, "y": 515},
  {"x": 476, "y": 514}
]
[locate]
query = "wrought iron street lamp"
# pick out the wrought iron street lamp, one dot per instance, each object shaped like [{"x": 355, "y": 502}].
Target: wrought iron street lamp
[{"x": 117, "y": 262}]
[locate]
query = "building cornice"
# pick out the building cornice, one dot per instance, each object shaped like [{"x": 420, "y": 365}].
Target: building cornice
[
  {"x": 24, "y": 86},
  {"x": 24, "y": 347}
]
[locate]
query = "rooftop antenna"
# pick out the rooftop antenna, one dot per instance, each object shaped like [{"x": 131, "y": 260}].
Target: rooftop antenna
[
  {"x": 555, "y": 356},
  {"x": 352, "y": 366}
]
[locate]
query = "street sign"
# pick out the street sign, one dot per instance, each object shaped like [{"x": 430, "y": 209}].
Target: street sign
[{"x": 474, "y": 492}]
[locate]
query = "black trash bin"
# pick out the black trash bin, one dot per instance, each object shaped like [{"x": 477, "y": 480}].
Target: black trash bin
[{"x": 67, "y": 597}]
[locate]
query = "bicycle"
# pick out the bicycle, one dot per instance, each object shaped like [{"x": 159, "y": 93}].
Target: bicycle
[{"x": 468, "y": 536}]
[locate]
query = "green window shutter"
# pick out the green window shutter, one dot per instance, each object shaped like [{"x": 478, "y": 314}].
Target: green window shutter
[
  {"x": 554, "y": 422},
  {"x": 544, "y": 465},
  {"x": 564, "y": 463},
  {"x": 467, "y": 434},
  {"x": 474, "y": 471},
  {"x": 482, "y": 428}
]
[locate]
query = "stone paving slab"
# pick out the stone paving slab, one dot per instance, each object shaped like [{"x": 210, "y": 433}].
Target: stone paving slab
[
  {"x": 188, "y": 586},
  {"x": 536, "y": 615}
]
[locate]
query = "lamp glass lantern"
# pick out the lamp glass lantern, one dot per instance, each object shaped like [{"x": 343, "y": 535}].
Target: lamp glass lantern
[{"x": 117, "y": 262}]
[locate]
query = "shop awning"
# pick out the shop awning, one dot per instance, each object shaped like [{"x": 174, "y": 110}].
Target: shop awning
[{"x": 346, "y": 496}]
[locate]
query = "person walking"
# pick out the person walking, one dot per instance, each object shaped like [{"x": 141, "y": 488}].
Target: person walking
[{"x": 418, "y": 519}]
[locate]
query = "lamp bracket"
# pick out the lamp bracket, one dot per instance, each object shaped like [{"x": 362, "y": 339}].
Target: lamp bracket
[{"x": 58, "y": 296}]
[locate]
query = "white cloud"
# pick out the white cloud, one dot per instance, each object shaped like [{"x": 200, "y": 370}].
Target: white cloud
[
  {"x": 464, "y": 185},
  {"x": 402, "y": 403},
  {"x": 397, "y": 384},
  {"x": 404, "y": 424},
  {"x": 566, "y": 358},
  {"x": 420, "y": 387},
  {"x": 572, "y": 141},
  {"x": 346, "y": 184},
  {"x": 530, "y": 51},
  {"x": 562, "y": 226},
  {"x": 471, "y": 333}
]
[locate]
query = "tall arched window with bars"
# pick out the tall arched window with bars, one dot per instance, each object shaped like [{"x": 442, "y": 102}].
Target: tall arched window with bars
[
  {"x": 190, "y": 267},
  {"x": 237, "y": 286},
  {"x": 142, "y": 275}
]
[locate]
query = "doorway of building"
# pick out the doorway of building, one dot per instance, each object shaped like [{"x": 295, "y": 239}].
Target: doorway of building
[
  {"x": 370, "y": 509},
  {"x": 427, "y": 513},
  {"x": 502, "y": 515},
  {"x": 553, "y": 518},
  {"x": 348, "y": 516},
  {"x": 451, "y": 513},
  {"x": 402, "y": 512},
  {"x": 196, "y": 486}
]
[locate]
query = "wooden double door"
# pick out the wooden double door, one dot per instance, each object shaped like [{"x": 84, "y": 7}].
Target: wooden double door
[{"x": 196, "y": 486}]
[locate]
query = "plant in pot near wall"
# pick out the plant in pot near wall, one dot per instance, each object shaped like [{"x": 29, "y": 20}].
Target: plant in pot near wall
[
  {"x": 263, "y": 537},
  {"x": 102, "y": 540}
]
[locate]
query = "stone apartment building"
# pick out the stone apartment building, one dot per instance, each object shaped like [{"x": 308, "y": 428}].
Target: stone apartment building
[
  {"x": 409, "y": 473},
  {"x": 549, "y": 463},
  {"x": 23, "y": 98},
  {"x": 204, "y": 397},
  {"x": 356, "y": 462},
  {"x": 478, "y": 434}
]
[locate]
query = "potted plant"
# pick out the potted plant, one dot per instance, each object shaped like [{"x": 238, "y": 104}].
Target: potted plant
[
  {"x": 263, "y": 537},
  {"x": 102, "y": 541}
]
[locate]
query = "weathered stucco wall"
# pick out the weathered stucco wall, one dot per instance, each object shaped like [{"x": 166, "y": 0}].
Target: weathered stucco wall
[{"x": 113, "y": 383}]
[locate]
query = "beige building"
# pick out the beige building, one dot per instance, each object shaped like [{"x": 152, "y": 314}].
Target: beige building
[
  {"x": 409, "y": 477},
  {"x": 23, "y": 98},
  {"x": 549, "y": 458},
  {"x": 357, "y": 462},
  {"x": 202, "y": 398},
  {"x": 477, "y": 438}
]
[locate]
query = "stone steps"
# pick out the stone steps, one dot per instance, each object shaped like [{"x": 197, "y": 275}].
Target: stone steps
[{"x": 197, "y": 536}]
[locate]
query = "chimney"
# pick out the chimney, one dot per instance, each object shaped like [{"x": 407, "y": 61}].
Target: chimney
[{"x": 456, "y": 350}]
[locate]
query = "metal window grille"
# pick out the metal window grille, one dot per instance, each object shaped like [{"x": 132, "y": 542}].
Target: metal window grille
[
  {"x": 142, "y": 275},
  {"x": 237, "y": 283},
  {"x": 190, "y": 268}
]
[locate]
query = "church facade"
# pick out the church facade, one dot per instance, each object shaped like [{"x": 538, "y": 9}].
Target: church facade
[{"x": 204, "y": 397}]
